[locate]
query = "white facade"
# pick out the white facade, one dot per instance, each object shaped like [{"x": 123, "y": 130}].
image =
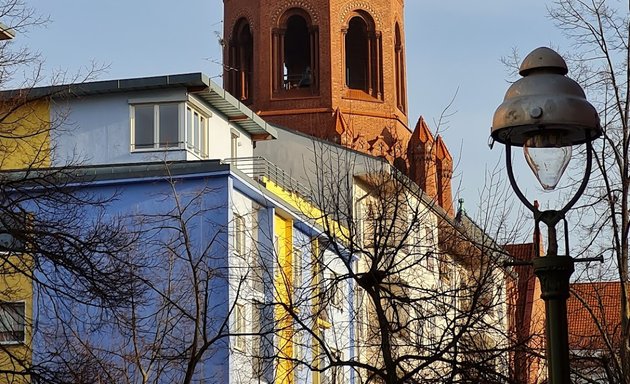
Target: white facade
[{"x": 145, "y": 120}]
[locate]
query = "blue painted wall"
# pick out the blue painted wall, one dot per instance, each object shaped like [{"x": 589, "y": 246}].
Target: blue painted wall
[{"x": 153, "y": 208}]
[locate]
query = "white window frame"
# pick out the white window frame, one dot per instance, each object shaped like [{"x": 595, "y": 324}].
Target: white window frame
[
  {"x": 202, "y": 133},
  {"x": 429, "y": 240},
  {"x": 240, "y": 243},
  {"x": 239, "y": 326},
  {"x": 338, "y": 373},
  {"x": 156, "y": 125},
  {"x": 3, "y": 306},
  {"x": 197, "y": 137},
  {"x": 298, "y": 255},
  {"x": 337, "y": 298},
  {"x": 234, "y": 142}
]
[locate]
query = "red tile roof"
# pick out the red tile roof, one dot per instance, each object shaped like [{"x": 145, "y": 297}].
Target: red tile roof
[
  {"x": 524, "y": 251},
  {"x": 593, "y": 311}
]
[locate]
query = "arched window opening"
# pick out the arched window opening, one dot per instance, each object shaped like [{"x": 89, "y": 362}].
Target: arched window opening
[
  {"x": 363, "y": 57},
  {"x": 295, "y": 53},
  {"x": 240, "y": 64},
  {"x": 357, "y": 55},
  {"x": 399, "y": 55}
]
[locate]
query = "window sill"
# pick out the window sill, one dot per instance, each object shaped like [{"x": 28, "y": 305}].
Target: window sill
[
  {"x": 296, "y": 93},
  {"x": 12, "y": 343},
  {"x": 170, "y": 149},
  {"x": 359, "y": 94},
  {"x": 156, "y": 149}
]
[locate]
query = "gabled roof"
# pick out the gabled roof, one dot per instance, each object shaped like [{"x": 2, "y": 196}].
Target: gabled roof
[
  {"x": 198, "y": 84},
  {"x": 593, "y": 313}
]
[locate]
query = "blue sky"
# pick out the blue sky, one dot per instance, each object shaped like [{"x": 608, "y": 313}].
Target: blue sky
[{"x": 454, "y": 49}]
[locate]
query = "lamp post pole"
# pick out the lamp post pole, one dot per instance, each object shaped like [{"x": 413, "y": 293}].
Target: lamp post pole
[
  {"x": 547, "y": 113},
  {"x": 553, "y": 272}
]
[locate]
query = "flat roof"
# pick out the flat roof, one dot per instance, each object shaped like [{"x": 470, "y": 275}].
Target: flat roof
[
  {"x": 104, "y": 172},
  {"x": 196, "y": 83}
]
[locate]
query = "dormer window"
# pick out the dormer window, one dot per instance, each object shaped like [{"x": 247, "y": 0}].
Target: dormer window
[{"x": 295, "y": 55}]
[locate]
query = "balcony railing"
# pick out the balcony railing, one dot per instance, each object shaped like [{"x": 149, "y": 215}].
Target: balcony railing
[{"x": 262, "y": 170}]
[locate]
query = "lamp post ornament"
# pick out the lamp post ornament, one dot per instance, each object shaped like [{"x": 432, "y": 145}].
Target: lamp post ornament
[{"x": 546, "y": 113}]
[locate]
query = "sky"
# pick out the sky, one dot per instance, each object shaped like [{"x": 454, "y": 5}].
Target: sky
[{"x": 453, "y": 47}]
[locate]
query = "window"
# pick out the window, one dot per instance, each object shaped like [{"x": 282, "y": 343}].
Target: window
[
  {"x": 338, "y": 370},
  {"x": 357, "y": 55},
  {"x": 239, "y": 327},
  {"x": 338, "y": 294},
  {"x": 420, "y": 328},
  {"x": 430, "y": 260},
  {"x": 444, "y": 269},
  {"x": 257, "y": 346},
  {"x": 399, "y": 56},
  {"x": 240, "y": 62},
  {"x": 196, "y": 132},
  {"x": 234, "y": 145},
  {"x": 297, "y": 268},
  {"x": 296, "y": 50},
  {"x": 359, "y": 224},
  {"x": 239, "y": 235},
  {"x": 432, "y": 333},
  {"x": 370, "y": 228},
  {"x": 363, "y": 55},
  {"x": 317, "y": 275},
  {"x": 316, "y": 377},
  {"x": 297, "y": 54},
  {"x": 429, "y": 244},
  {"x": 11, "y": 323},
  {"x": 157, "y": 126},
  {"x": 500, "y": 304},
  {"x": 10, "y": 229}
]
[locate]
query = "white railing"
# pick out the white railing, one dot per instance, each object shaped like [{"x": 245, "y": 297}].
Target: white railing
[{"x": 260, "y": 169}]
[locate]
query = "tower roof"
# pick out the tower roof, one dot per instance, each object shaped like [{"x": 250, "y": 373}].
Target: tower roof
[
  {"x": 421, "y": 133},
  {"x": 441, "y": 150}
]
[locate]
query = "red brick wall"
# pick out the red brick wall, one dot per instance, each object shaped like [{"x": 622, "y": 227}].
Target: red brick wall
[{"x": 331, "y": 16}]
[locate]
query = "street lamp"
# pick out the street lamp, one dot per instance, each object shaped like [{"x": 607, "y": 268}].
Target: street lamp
[{"x": 546, "y": 113}]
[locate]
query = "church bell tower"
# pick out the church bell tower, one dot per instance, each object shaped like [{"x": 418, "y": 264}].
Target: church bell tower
[{"x": 333, "y": 69}]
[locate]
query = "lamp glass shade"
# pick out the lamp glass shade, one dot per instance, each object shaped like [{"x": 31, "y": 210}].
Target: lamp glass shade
[{"x": 548, "y": 155}]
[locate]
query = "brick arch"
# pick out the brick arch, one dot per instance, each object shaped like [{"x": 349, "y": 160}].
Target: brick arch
[
  {"x": 302, "y": 76},
  {"x": 350, "y": 9},
  {"x": 300, "y": 4},
  {"x": 241, "y": 14},
  {"x": 294, "y": 11},
  {"x": 399, "y": 20}
]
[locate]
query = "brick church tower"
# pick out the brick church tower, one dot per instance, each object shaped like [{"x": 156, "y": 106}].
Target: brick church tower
[{"x": 333, "y": 69}]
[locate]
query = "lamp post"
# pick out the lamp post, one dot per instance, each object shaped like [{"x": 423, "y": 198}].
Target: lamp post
[{"x": 547, "y": 113}]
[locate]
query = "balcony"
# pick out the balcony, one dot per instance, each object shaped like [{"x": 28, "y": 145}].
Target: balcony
[{"x": 264, "y": 171}]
